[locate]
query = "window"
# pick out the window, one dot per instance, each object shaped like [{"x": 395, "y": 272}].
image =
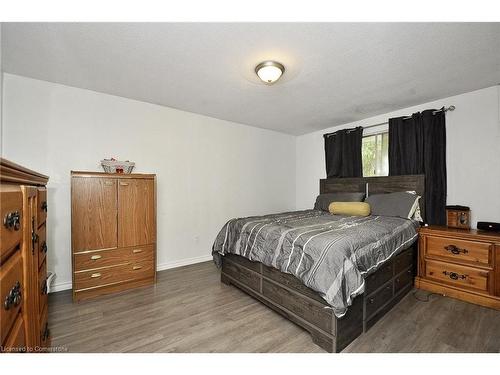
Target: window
[{"x": 375, "y": 150}]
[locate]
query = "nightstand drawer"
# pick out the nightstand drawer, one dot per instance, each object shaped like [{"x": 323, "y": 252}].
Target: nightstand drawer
[
  {"x": 468, "y": 252},
  {"x": 462, "y": 276}
]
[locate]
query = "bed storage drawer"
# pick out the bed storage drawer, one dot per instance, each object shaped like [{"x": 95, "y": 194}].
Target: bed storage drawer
[
  {"x": 377, "y": 279},
  {"x": 250, "y": 278},
  {"x": 403, "y": 280},
  {"x": 378, "y": 299},
  {"x": 311, "y": 311},
  {"x": 290, "y": 281},
  {"x": 404, "y": 260},
  {"x": 88, "y": 260},
  {"x": 254, "y": 266},
  {"x": 454, "y": 274},
  {"x": 460, "y": 251},
  {"x": 113, "y": 275}
]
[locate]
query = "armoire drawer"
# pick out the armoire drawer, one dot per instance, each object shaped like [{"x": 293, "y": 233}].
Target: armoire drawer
[
  {"x": 11, "y": 293},
  {"x": 113, "y": 275},
  {"x": 112, "y": 257},
  {"x": 11, "y": 220}
]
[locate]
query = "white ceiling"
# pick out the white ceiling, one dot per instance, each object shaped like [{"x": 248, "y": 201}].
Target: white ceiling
[{"x": 335, "y": 72}]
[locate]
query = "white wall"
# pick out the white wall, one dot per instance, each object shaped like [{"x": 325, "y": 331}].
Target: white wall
[
  {"x": 208, "y": 170},
  {"x": 473, "y": 153}
]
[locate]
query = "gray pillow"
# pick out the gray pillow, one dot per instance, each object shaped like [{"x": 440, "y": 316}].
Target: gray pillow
[
  {"x": 324, "y": 200},
  {"x": 401, "y": 204}
]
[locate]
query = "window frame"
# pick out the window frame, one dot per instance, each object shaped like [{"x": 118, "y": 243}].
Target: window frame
[{"x": 373, "y": 131}]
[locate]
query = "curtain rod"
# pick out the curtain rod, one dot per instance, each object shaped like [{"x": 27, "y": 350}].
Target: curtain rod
[{"x": 450, "y": 108}]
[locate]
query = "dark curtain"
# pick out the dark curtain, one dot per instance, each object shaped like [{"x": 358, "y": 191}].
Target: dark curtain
[
  {"x": 417, "y": 145},
  {"x": 343, "y": 153}
]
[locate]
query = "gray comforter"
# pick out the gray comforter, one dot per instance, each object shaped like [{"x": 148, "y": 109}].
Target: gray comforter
[{"x": 330, "y": 254}]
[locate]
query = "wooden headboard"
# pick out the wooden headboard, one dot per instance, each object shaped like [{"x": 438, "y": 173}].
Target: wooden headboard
[{"x": 376, "y": 185}]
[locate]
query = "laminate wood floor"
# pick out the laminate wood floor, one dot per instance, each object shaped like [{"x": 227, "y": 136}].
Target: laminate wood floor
[{"x": 190, "y": 310}]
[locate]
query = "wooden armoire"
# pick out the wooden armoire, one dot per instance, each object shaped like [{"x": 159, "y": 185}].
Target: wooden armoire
[
  {"x": 113, "y": 232},
  {"x": 23, "y": 260}
]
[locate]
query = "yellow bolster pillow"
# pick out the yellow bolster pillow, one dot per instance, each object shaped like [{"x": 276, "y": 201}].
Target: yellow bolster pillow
[{"x": 350, "y": 208}]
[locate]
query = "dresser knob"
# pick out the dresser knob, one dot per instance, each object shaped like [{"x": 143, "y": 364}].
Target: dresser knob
[
  {"x": 44, "y": 248},
  {"x": 14, "y": 296},
  {"x": 136, "y": 267},
  {"x": 44, "y": 206},
  {"x": 95, "y": 257},
  {"x": 95, "y": 275}
]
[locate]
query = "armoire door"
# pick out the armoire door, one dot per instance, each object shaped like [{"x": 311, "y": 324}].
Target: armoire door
[
  {"x": 93, "y": 213},
  {"x": 136, "y": 217}
]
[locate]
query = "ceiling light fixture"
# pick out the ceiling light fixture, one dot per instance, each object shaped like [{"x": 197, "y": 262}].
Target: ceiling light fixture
[{"x": 269, "y": 71}]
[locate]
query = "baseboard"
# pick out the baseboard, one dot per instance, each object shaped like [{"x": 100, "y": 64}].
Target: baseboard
[
  {"x": 58, "y": 287},
  {"x": 183, "y": 262}
]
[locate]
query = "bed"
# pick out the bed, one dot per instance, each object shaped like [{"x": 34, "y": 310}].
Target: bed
[{"x": 325, "y": 291}]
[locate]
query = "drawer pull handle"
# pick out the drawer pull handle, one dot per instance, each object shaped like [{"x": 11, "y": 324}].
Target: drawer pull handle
[
  {"x": 135, "y": 251},
  {"x": 454, "y": 275},
  {"x": 12, "y": 220},
  {"x": 136, "y": 267},
  {"x": 371, "y": 300},
  {"x": 43, "y": 248},
  {"x": 109, "y": 183},
  {"x": 123, "y": 183},
  {"x": 455, "y": 250},
  {"x": 95, "y": 257},
  {"x": 14, "y": 296},
  {"x": 44, "y": 206},
  {"x": 94, "y": 275}
]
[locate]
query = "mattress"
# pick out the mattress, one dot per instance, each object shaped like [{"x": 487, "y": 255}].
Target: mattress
[{"x": 330, "y": 254}]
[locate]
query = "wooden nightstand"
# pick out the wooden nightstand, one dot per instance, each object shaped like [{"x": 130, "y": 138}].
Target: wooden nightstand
[{"x": 460, "y": 263}]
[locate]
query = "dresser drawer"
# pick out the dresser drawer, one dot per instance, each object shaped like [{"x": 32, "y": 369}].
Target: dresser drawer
[
  {"x": 41, "y": 212},
  {"x": 42, "y": 287},
  {"x": 11, "y": 293},
  {"x": 457, "y": 275},
  {"x": 42, "y": 244},
  {"x": 113, "y": 275},
  {"x": 11, "y": 220},
  {"x": 112, "y": 257},
  {"x": 461, "y": 251},
  {"x": 16, "y": 340}
]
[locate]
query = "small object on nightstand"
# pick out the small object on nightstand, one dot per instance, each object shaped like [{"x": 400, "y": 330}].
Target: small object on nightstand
[
  {"x": 458, "y": 217},
  {"x": 488, "y": 226}
]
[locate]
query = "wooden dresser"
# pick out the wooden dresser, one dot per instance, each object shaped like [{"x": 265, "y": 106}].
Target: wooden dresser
[
  {"x": 113, "y": 232},
  {"x": 460, "y": 263},
  {"x": 23, "y": 263}
]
